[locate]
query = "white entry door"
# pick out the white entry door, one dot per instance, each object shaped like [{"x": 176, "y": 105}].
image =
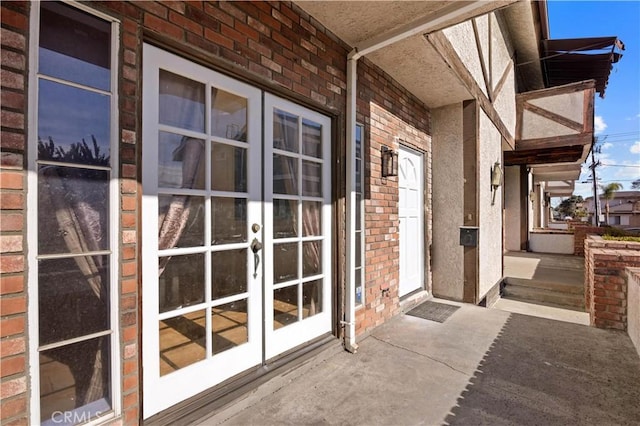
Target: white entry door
[
  {"x": 236, "y": 228},
  {"x": 410, "y": 186}
]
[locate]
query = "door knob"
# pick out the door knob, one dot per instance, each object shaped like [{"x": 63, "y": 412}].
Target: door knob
[
  {"x": 255, "y": 228},
  {"x": 256, "y": 245}
]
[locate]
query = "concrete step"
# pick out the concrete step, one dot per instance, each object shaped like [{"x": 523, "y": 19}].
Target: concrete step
[
  {"x": 559, "y": 287},
  {"x": 546, "y": 297}
]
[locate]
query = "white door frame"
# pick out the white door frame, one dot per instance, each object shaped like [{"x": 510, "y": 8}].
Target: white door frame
[
  {"x": 406, "y": 284},
  {"x": 281, "y": 340},
  {"x": 161, "y": 392}
]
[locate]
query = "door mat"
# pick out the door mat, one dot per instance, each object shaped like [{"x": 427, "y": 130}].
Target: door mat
[{"x": 433, "y": 311}]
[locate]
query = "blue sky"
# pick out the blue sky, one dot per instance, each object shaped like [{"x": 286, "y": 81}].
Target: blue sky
[{"x": 617, "y": 121}]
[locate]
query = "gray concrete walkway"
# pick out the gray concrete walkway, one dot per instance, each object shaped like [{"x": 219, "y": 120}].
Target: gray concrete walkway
[{"x": 481, "y": 366}]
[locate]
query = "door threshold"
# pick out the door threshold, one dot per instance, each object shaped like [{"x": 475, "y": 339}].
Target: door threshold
[{"x": 206, "y": 404}]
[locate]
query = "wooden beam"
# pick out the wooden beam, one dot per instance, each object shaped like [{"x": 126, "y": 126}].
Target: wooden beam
[
  {"x": 554, "y": 142},
  {"x": 485, "y": 74},
  {"x": 564, "y": 154},
  {"x": 444, "y": 48},
  {"x": 503, "y": 79},
  {"x": 558, "y": 90}
]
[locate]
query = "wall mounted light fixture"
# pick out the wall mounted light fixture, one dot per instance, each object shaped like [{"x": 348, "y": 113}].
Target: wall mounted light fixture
[
  {"x": 496, "y": 180},
  {"x": 389, "y": 162}
]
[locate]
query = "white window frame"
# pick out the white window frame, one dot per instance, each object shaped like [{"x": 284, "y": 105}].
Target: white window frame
[
  {"x": 362, "y": 267},
  {"x": 32, "y": 217}
]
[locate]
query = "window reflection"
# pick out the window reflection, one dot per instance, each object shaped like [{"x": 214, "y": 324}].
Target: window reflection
[
  {"x": 228, "y": 115},
  {"x": 285, "y": 131},
  {"x": 75, "y": 378},
  {"x": 311, "y": 139},
  {"x": 181, "y": 102},
  {"x": 285, "y": 262},
  {"x": 229, "y": 273},
  {"x": 228, "y": 220},
  {"x": 73, "y": 124},
  {"x": 191, "y": 208},
  {"x": 74, "y": 46},
  {"x": 228, "y": 168},
  {"x": 180, "y": 161},
  {"x": 73, "y": 207},
  {"x": 311, "y": 179},
  {"x": 285, "y": 306},
  {"x": 311, "y": 298},
  {"x": 182, "y": 341},
  {"x": 77, "y": 287},
  {"x": 230, "y": 325},
  {"x": 181, "y": 282},
  {"x": 285, "y": 218},
  {"x": 285, "y": 174}
]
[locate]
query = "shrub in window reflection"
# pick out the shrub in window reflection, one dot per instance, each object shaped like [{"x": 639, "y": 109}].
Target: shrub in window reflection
[
  {"x": 72, "y": 202},
  {"x": 78, "y": 152}
]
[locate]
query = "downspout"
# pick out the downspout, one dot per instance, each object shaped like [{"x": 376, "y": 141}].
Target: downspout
[
  {"x": 421, "y": 26},
  {"x": 350, "y": 310}
]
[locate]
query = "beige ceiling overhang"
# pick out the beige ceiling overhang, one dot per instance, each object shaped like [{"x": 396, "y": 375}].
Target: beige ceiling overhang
[
  {"x": 411, "y": 61},
  {"x": 554, "y": 125}
]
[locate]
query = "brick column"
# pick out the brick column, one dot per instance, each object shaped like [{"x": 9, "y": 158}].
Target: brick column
[
  {"x": 605, "y": 265},
  {"x": 14, "y": 386}
]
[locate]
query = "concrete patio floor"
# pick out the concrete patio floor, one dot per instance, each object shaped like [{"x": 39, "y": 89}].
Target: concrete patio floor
[{"x": 481, "y": 366}]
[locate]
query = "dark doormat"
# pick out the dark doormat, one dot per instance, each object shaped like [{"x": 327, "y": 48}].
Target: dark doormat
[{"x": 433, "y": 311}]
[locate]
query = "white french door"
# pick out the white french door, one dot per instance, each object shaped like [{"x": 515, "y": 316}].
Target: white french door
[
  {"x": 236, "y": 249},
  {"x": 410, "y": 214},
  {"x": 297, "y": 183}
]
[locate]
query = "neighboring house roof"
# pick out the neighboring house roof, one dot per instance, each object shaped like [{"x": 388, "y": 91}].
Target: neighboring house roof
[{"x": 624, "y": 202}]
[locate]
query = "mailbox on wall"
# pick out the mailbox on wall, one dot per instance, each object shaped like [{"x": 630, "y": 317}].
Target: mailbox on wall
[{"x": 469, "y": 236}]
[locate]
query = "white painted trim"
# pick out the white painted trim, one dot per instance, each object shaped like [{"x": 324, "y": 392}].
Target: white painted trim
[
  {"x": 283, "y": 339},
  {"x": 350, "y": 198},
  {"x": 420, "y": 26},
  {"x": 32, "y": 215},
  {"x": 161, "y": 392}
]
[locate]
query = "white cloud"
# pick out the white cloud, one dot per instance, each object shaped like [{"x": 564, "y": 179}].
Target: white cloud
[
  {"x": 635, "y": 148},
  {"x": 630, "y": 172},
  {"x": 599, "y": 125},
  {"x": 607, "y": 145}
]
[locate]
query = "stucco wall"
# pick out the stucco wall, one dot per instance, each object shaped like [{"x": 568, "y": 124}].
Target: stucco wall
[
  {"x": 512, "y": 208},
  {"x": 490, "y": 216},
  {"x": 463, "y": 40},
  {"x": 496, "y": 53},
  {"x": 448, "y": 185},
  {"x": 633, "y": 301},
  {"x": 558, "y": 242}
]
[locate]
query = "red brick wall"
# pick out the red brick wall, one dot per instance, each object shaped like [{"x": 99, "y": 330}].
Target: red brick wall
[
  {"x": 275, "y": 45},
  {"x": 606, "y": 280},
  {"x": 388, "y": 112},
  {"x": 13, "y": 289},
  {"x": 580, "y": 233}
]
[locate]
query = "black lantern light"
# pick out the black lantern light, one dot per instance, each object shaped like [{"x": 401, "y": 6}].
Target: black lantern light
[{"x": 389, "y": 162}]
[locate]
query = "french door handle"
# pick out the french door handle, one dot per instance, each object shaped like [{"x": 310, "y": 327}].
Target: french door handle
[{"x": 256, "y": 246}]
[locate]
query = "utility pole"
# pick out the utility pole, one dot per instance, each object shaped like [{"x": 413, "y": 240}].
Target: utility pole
[{"x": 594, "y": 164}]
